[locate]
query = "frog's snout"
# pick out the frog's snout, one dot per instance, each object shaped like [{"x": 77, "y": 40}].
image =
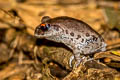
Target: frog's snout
[{"x": 38, "y": 31}]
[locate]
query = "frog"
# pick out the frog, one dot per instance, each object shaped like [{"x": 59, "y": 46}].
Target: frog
[{"x": 77, "y": 35}]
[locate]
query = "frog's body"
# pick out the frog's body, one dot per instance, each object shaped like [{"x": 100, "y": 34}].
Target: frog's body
[{"x": 75, "y": 34}]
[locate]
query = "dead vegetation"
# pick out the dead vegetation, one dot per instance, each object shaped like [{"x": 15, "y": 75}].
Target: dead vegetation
[{"x": 23, "y": 57}]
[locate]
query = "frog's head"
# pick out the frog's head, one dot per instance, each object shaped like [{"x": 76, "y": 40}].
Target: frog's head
[{"x": 47, "y": 29}]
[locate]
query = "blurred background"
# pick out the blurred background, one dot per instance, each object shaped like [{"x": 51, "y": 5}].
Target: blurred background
[{"x": 19, "y": 48}]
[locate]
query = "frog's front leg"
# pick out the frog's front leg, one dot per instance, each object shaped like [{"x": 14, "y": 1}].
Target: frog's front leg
[{"x": 76, "y": 56}]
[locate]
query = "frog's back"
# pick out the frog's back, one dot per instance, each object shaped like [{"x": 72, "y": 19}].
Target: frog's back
[{"x": 72, "y": 24}]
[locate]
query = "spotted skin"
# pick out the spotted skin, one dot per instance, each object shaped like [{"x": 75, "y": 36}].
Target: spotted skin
[{"x": 75, "y": 34}]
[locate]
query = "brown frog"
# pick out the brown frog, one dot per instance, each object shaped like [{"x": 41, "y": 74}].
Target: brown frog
[{"x": 75, "y": 34}]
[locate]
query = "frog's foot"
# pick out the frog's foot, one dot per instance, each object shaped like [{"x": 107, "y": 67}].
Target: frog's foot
[
  {"x": 79, "y": 61},
  {"x": 82, "y": 61},
  {"x": 86, "y": 60},
  {"x": 70, "y": 61}
]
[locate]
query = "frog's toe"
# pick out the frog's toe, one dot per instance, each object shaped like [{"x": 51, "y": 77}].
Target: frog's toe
[
  {"x": 70, "y": 61},
  {"x": 86, "y": 60}
]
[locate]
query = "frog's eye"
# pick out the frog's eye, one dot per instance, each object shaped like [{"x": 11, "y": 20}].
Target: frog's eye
[{"x": 45, "y": 27}]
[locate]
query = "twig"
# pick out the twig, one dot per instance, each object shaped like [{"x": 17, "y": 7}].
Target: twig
[
  {"x": 108, "y": 4},
  {"x": 11, "y": 71}
]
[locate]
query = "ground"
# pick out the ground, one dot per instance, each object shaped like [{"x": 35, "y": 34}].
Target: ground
[{"x": 22, "y": 56}]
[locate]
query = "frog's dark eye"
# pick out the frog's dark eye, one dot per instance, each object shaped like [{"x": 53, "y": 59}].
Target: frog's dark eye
[{"x": 45, "y": 27}]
